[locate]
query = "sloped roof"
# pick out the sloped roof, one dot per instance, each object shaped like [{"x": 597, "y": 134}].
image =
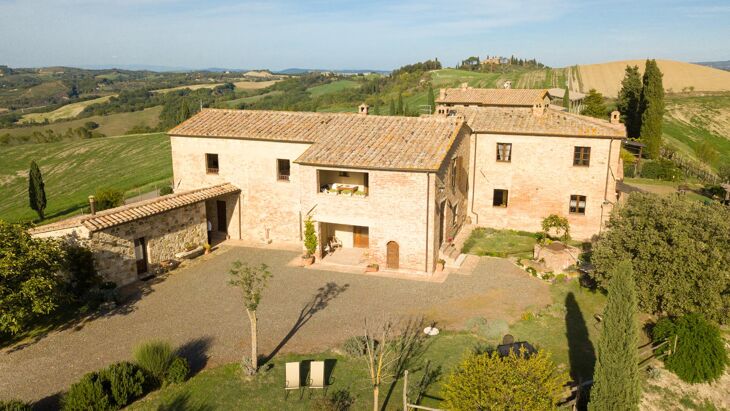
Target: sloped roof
[
  {"x": 518, "y": 120},
  {"x": 130, "y": 212},
  {"x": 560, "y": 92},
  {"x": 338, "y": 139},
  {"x": 492, "y": 96}
]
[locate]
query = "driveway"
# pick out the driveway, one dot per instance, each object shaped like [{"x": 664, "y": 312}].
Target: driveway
[{"x": 302, "y": 310}]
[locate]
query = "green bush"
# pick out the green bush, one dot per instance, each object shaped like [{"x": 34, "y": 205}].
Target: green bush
[
  {"x": 14, "y": 405},
  {"x": 125, "y": 381},
  {"x": 629, "y": 170},
  {"x": 661, "y": 169},
  {"x": 483, "y": 380},
  {"x": 87, "y": 394},
  {"x": 355, "y": 346},
  {"x": 109, "y": 389},
  {"x": 700, "y": 355},
  {"x": 340, "y": 400},
  {"x": 80, "y": 266},
  {"x": 165, "y": 190},
  {"x": 108, "y": 198},
  {"x": 155, "y": 358},
  {"x": 178, "y": 371}
]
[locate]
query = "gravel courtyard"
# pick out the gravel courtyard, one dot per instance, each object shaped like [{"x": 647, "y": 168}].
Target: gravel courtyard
[{"x": 303, "y": 310}]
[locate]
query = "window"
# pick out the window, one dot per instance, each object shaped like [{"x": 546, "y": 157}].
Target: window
[
  {"x": 500, "y": 198},
  {"x": 504, "y": 152},
  {"x": 455, "y": 215},
  {"x": 577, "y": 204},
  {"x": 582, "y": 156},
  {"x": 283, "y": 169},
  {"x": 453, "y": 174},
  {"x": 211, "y": 163}
]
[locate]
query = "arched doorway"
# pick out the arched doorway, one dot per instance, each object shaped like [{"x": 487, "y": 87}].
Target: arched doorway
[{"x": 393, "y": 256}]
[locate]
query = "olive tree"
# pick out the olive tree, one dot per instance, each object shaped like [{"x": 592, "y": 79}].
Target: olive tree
[
  {"x": 680, "y": 252},
  {"x": 252, "y": 281}
]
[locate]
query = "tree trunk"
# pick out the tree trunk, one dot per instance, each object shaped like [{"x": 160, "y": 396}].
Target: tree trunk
[
  {"x": 375, "y": 398},
  {"x": 254, "y": 341}
]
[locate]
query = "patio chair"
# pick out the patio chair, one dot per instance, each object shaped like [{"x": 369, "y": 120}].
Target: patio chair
[
  {"x": 316, "y": 371},
  {"x": 293, "y": 379}
]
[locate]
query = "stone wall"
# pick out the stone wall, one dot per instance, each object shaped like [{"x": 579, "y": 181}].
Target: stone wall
[
  {"x": 541, "y": 178},
  {"x": 165, "y": 234}
]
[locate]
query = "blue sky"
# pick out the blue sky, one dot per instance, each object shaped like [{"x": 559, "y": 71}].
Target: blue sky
[{"x": 372, "y": 34}]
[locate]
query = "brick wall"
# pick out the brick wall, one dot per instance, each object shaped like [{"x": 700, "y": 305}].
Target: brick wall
[{"x": 540, "y": 179}]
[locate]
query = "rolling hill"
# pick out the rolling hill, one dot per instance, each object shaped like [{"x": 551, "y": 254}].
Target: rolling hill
[{"x": 678, "y": 77}]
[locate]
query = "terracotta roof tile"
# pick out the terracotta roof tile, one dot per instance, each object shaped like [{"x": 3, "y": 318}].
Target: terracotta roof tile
[
  {"x": 518, "y": 120},
  {"x": 135, "y": 211},
  {"x": 491, "y": 96},
  {"x": 339, "y": 139}
]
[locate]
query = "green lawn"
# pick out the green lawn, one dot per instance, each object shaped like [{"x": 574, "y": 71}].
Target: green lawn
[
  {"x": 223, "y": 388},
  {"x": 72, "y": 170},
  {"x": 664, "y": 188},
  {"x": 499, "y": 243},
  {"x": 332, "y": 87}
]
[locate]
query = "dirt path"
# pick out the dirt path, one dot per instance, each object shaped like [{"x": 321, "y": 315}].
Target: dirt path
[{"x": 301, "y": 311}]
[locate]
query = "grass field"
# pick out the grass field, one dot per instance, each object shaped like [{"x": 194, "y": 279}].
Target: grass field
[
  {"x": 111, "y": 125},
  {"x": 68, "y": 111},
  {"x": 243, "y": 85},
  {"x": 332, "y": 87},
  {"x": 690, "y": 121},
  {"x": 249, "y": 99},
  {"x": 74, "y": 170},
  {"x": 499, "y": 243}
]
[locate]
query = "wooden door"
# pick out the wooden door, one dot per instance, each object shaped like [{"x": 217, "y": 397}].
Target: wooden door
[
  {"x": 140, "y": 254},
  {"x": 393, "y": 255},
  {"x": 222, "y": 225},
  {"x": 360, "y": 237}
]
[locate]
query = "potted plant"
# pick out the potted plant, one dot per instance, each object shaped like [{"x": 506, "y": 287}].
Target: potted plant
[
  {"x": 207, "y": 248},
  {"x": 440, "y": 264},
  {"x": 310, "y": 242},
  {"x": 372, "y": 267}
]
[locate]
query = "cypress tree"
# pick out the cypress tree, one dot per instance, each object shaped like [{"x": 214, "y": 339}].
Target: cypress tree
[
  {"x": 566, "y": 99},
  {"x": 593, "y": 104},
  {"x": 628, "y": 101},
  {"x": 431, "y": 99},
  {"x": 652, "y": 108},
  {"x": 616, "y": 384},
  {"x": 36, "y": 190},
  {"x": 399, "y": 107},
  {"x": 391, "y": 109}
]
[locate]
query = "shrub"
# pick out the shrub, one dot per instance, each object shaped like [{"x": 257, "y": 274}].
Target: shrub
[
  {"x": 524, "y": 382},
  {"x": 125, "y": 381},
  {"x": 532, "y": 271},
  {"x": 80, "y": 266},
  {"x": 490, "y": 329},
  {"x": 680, "y": 250},
  {"x": 155, "y": 358},
  {"x": 661, "y": 169},
  {"x": 310, "y": 237},
  {"x": 165, "y": 190},
  {"x": 557, "y": 223},
  {"x": 87, "y": 394},
  {"x": 340, "y": 400},
  {"x": 178, "y": 371},
  {"x": 108, "y": 198},
  {"x": 14, "y": 405},
  {"x": 700, "y": 355},
  {"x": 355, "y": 346}
]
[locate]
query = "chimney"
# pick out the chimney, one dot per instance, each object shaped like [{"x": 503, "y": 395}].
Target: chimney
[
  {"x": 615, "y": 117},
  {"x": 364, "y": 108},
  {"x": 538, "y": 109},
  {"x": 442, "y": 94},
  {"x": 92, "y": 204}
]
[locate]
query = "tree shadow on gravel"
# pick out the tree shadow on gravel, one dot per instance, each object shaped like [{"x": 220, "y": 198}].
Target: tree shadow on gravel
[
  {"x": 196, "y": 352},
  {"x": 49, "y": 403},
  {"x": 319, "y": 302}
]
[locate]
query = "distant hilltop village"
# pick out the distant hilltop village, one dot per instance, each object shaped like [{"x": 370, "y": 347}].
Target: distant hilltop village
[{"x": 490, "y": 63}]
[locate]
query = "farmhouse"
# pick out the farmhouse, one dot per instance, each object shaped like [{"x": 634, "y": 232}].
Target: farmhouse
[{"x": 391, "y": 190}]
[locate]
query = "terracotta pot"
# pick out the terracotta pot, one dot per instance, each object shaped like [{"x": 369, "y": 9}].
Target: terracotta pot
[
  {"x": 307, "y": 260},
  {"x": 369, "y": 269},
  {"x": 439, "y": 267}
]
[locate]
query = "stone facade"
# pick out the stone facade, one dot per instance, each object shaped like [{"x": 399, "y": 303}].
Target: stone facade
[
  {"x": 540, "y": 179},
  {"x": 165, "y": 234}
]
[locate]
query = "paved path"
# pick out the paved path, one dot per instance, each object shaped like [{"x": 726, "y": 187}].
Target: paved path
[{"x": 302, "y": 311}]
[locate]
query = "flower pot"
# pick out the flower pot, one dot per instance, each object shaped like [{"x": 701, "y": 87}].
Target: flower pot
[
  {"x": 307, "y": 260},
  {"x": 371, "y": 269},
  {"x": 439, "y": 267}
]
